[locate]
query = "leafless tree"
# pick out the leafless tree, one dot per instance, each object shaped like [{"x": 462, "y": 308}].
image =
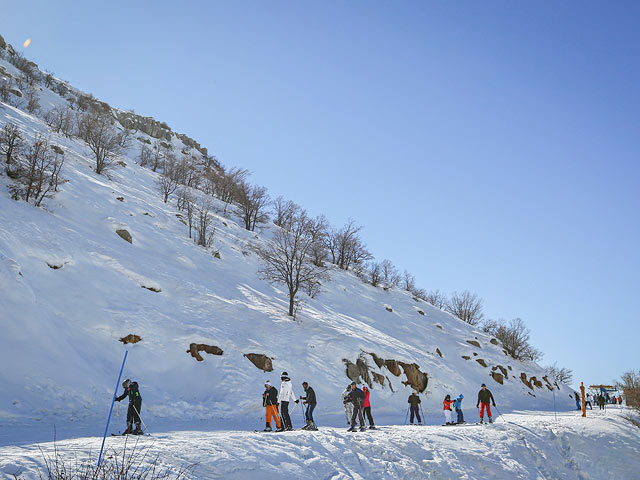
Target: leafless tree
[
  {"x": 375, "y": 273},
  {"x": 186, "y": 203},
  {"x": 437, "y": 299},
  {"x": 11, "y": 142},
  {"x": 346, "y": 246},
  {"x": 6, "y": 84},
  {"x": 145, "y": 156},
  {"x": 514, "y": 337},
  {"x": 32, "y": 98},
  {"x": 286, "y": 259},
  {"x": 168, "y": 181},
  {"x": 284, "y": 211},
  {"x": 408, "y": 281},
  {"x": 98, "y": 132},
  {"x": 203, "y": 223},
  {"x": 253, "y": 200},
  {"x": 466, "y": 306},
  {"x": 390, "y": 276},
  {"x": 226, "y": 185},
  {"x": 37, "y": 172},
  {"x": 157, "y": 155},
  {"x": 630, "y": 384},
  {"x": 559, "y": 374},
  {"x": 60, "y": 120}
]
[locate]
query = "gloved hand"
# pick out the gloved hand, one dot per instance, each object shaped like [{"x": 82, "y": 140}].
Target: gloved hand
[{"x": 297, "y": 401}]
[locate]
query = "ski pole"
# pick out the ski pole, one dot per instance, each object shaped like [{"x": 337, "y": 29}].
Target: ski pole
[
  {"x": 499, "y": 414},
  {"x": 113, "y": 400},
  {"x": 140, "y": 417}
]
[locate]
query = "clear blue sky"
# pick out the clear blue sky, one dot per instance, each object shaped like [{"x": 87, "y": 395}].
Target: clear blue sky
[{"x": 489, "y": 146}]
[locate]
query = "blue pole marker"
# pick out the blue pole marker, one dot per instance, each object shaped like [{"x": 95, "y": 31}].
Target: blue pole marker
[{"x": 112, "y": 402}]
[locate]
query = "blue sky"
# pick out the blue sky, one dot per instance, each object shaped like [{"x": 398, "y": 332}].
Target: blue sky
[{"x": 489, "y": 146}]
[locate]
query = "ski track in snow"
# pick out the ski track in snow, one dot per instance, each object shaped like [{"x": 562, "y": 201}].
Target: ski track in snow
[{"x": 522, "y": 445}]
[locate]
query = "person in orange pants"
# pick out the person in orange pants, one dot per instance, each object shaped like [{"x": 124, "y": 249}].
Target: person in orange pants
[{"x": 270, "y": 401}]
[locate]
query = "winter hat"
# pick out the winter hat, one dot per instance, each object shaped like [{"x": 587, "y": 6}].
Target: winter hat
[
  {"x": 353, "y": 383},
  {"x": 460, "y": 396},
  {"x": 483, "y": 385},
  {"x": 365, "y": 388},
  {"x": 284, "y": 374},
  {"x": 126, "y": 383},
  {"x": 267, "y": 383}
]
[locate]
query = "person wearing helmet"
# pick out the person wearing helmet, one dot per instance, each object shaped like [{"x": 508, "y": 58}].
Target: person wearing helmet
[
  {"x": 286, "y": 393},
  {"x": 348, "y": 404},
  {"x": 457, "y": 404},
  {"x": 270, "y": 401},
  {"x": 135, "y": 404}
]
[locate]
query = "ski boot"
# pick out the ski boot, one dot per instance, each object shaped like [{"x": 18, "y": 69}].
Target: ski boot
[
  {"x": 372, "y": 427},
  {"x": 281, "y": 429},
  {"x": 129, "y": 429},
  {"x": 481, "y": 420},
  {"x": 352, "y": 429},
  {"x": 307, "y": 426},
  {"x": 267, "y": 428},
  {"x": 138, "y": 430},
  {"x": 490, "y": 420},
  {"x": 313, "y": 427},
  {"x": 363, "y": 428}
]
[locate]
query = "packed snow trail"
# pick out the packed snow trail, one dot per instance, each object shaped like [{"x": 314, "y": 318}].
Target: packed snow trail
[{"x": 521, "y": 445}]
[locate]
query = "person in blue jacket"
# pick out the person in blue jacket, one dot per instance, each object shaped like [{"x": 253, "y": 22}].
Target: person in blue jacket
[{"x": 457, "y": 404}]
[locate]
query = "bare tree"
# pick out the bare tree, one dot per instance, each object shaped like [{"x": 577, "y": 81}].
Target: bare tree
[
  {"x": 284, "y": 211},
  {"x": 390, "y": 276},
  {"x": 630, "y": 383},
  {"x": 11, "y": 142},
  {"x": 98, "y": 132},
  {"x": 375, "y": 273},
  {"x": 37, "y": 172},
  {"x": 186, "y": 203},
  {"x": 60, "y": 120},
  {"x": 346, "y": 246},
  {"x": 408, "y": 281},
  {"x": 6, "y": 85},
  {"x": 514, "y": 337},
  {"x": 437, "y": 299},
  {"x": 203, "y": 222},
  {"x": 286, "y": 260},
  {"x": 168, "y": 179},
  {"x": 466, "y": 306},
  {"x": 559, "y": 374},
  {"x": 253, "y": 200},
  {"x": 32, "y": 98}
]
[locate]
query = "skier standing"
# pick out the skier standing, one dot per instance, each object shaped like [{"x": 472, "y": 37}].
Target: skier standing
[
  {"x": 588, "y": 402},
  {"x": 348, "y": 405},
  {"x": 286, "y": 393},
  {"x": 270, "y": 401},
  {"x": 356, "y": 397},
  {"x": 447, "y": 409},
  {"x": 484, "y": 397},
  {"x": 601, "y": 401},
  {"x": 135, "y": 404},
  {"x": 414, "y": 402},
  {"x": 457, "y": 404},
  {"x": 367, "y": 407},
  {"x": 310, "y": 401}
]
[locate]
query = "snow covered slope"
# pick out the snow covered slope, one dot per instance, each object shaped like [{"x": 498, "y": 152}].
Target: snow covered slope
[
  {"x": 522, "y": 445},
  {"x": 70, "y": 288}
]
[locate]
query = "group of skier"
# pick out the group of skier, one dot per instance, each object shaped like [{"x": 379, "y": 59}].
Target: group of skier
[{"x": 357, "y": 405}]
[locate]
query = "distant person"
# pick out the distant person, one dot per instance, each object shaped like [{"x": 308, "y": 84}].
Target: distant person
[
  {"x": 135, "y": 404},
  {"x": 587, "y": 402},
  {"x": 607, "y": 398},
  {"x": 356, "y": 397},
  {"x": 309, "y": 399},
  {"x": 348, "y": 405},
  {"x": 619, "y": 399},
  {"x": 286, "y": 394},
  {"x": 447, "y": 409},
  {"x": 270, "y": 402},
  {"x": 484, "y": 397},
  {"x": 457, "y": 405},
  {"x": 367, "y": 407},
  {"x": 614, "y": 400},
  {"x": 601, "y": 401},
  {"x": 414, "y": 402}
]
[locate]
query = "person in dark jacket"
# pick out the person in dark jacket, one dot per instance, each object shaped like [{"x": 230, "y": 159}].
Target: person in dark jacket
[
  {"x": 484, "y": 397},
  {"x": 577, "y": 397},
  {"x": 414, "y": 402},
  {"x": 600, "y": 401},
  {"x": 309, "y": 399},
  {"x": 356, "y": 396},
  {"x": 135, "y": 405},
  {"x": 270, "y": 401}
]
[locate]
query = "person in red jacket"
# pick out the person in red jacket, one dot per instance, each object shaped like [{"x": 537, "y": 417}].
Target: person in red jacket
[
  {"x": 367, "y": 407},
  {"x": 447, "y": 409},
  {"x": 619, "y": 399}
]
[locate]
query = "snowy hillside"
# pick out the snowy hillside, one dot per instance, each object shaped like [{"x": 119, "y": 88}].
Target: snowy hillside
[{"x": 71, "y": 288}]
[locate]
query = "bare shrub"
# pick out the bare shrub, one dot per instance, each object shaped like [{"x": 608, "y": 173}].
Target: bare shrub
[
  {"x": 11, "y": 142},
  {"x": 466, "y": 306},
  {"x": 286, "y": 260},
  {"x": 559, "y": 374},
  {"x": 436, "y": 298},
  {"x": 203, "y": 223},
  {"x": 375, "y": 273},
  {"x": 60, "y": 119},
  {"x": 284, "y": 212},
  {"x": 630, "y": 384},
  {"x": 390, "y": 276},
  {"x": 32, "y": 97},
  {"x": 346, "y": 246},
  {"x": 253, "y": 200},
  {"x": 408, "y": 281}
]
